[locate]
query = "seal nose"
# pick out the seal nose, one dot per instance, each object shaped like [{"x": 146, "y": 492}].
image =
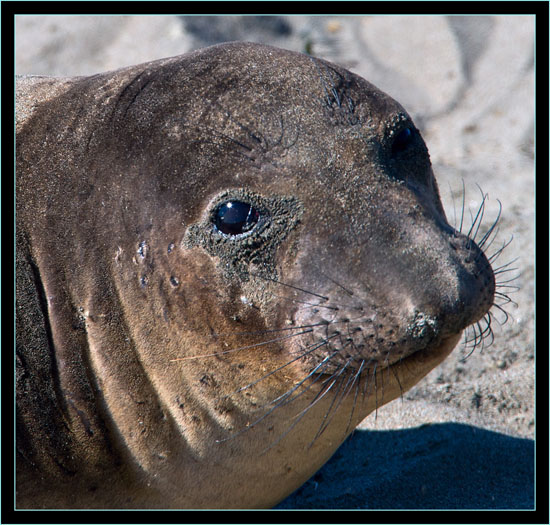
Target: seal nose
[
  {"x": 459, "y": 290},
  {"x": 476, "y": 279},
  {"x": 428, "y": 268}
]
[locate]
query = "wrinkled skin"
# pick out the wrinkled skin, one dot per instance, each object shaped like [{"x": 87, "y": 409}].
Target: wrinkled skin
[{"x": 121, "y": 275}]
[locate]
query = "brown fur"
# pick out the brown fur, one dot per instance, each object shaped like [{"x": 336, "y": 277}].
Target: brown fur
[{"x": 120, "y": 275}]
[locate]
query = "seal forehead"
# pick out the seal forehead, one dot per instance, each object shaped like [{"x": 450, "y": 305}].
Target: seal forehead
[
  {"x": 256, "y": 80},
  {"x": 267, "y": 109},
  {"x": 255, "y": 89}
]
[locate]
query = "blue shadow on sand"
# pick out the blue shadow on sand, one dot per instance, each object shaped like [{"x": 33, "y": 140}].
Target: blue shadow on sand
[{"x": 437, "y": 466}]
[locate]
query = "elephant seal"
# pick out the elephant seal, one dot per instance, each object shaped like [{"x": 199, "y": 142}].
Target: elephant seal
[{"x": 225, "y": 261}]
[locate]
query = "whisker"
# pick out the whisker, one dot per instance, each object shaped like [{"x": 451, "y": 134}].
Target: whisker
[
  {"x": 480, "y": 211},
  {"x": 288, "y": 393},
  {"x": 500, "y": 268},
  {"x": 350, "y": 293},
  {"x": 450, "y": 190},
  {"x": 496, "y": 255},
  {"x": 498, "y": 272},
  {"x": 382, "y": 381},
  {"x": 366, "y": 382},
  {"x": 322, "y": 427},
  {"x": 242, "y": 347},
  {"x": 319, "y": 374},
  {"x": 507, "y": 317},
  {"x": 485, "y": 249},
  {"x": 514, "y": 288},
  {"x": 300, "y": 415},
  {"x": 398, "y": 382},
  {"x": 273, "y": 330},
  {"x": 324, "y": 390},
  {"x": 334, "y": 410},
  {"x": 313, "y": 305},
  {"x": 285, "y": 396},
  {"x": 333, "y": 305},
  {"x": 463, "y": 206},
  {"x": 357, "y": 382},
  {"x": 289, "y": 285},
  {"x": 486, "y": 332},
  {"x": 480, "y": 335},
  {"x": 315, "y": 347},
  {"x": 375, "y": 392},
  {"x": 492, "y": 228},
  {"x": 507, "y": 299},
  {"x": 474, "y": 328}
]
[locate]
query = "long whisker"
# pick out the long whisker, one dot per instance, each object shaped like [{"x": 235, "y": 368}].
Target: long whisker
[
  {"x": 507, "y": 317},
  {"x": 288, "y": 285},
  {"x": 301, "y": 414},
  {"x": 496, "y": 255},
  {"x": 319, "y": 374},
  {"x": 350, "y": 293},
  {"x": 285, "y": 396},
  {"x": 324, "y": 390},
  {"x": 274, "y": 330},
  {"x": 289, "y": 392},
  {"x": 333, "y": 305},
  {"x": 278, "y": 339},
  {"x": 492, "y": 228},
  {"x": 479, "y": 215},
  {"x": 401, "y": 390},
  {"x": 301, "y": 356},
  {"x": 375, "y": 392},
  {"x": 463, "y": 206},
  {"x": 312, "y": 305},
  {"x": 326, "y": 420},
  {"x": 357, "y": 383}
]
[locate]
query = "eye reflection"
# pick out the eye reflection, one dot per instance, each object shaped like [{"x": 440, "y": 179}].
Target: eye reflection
[{"x": 236, "y": 217}]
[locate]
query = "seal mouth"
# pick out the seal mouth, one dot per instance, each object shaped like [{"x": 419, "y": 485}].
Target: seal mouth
[
  {"x": 374, "y": 341},
  {"x": 370, "y": 388},
  {"x": 433, "y": 354},
  {"x": 396, "y": 378},
  {"x": 335, "y": 361},
  {"x": 354, "y": 391}
]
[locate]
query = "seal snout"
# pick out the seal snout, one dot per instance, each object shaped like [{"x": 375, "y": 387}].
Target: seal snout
[
  {"x": 476, "y": 280},
  {"x": 407, "y": 298},
  {"x": 453, "y": 288}
]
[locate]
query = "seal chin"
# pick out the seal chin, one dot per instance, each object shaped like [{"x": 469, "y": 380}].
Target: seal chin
[
  {"x": 395, "y": 379},
  {"x": 419, "y": 363},
  {"x": 423, "y": 361}
]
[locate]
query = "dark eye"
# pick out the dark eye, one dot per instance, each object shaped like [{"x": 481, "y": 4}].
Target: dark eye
[
  {"x": 235, "y": 217},
  {"x": 402, "y": 141}
]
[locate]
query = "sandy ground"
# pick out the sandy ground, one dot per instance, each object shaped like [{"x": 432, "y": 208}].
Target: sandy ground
[{"x": 464, "y": 436}]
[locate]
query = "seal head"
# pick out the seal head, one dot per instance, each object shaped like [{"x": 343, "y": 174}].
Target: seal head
[{"x": 226, "y": 260}]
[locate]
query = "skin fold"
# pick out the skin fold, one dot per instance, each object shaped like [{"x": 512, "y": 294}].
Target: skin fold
[{"x": 162, "y": 363}]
